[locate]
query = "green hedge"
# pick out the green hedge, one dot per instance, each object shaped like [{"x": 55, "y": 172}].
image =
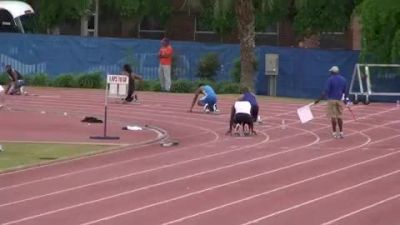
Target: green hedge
[
  {"x": 96, "y": 80},
  {"x": 4, "y": 79}
]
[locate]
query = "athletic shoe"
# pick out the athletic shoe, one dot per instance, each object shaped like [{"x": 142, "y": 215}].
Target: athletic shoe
[
  {"x": 215, "y": 108},
  {"x": 259, "y": 119},
  {"x": 335, "y": 135},
  {"x": 246, "y": 130},
  {"x": 340, "y": 135},
  {"x": 205, "y": 108},
  {"x": 237, "y": 130}
]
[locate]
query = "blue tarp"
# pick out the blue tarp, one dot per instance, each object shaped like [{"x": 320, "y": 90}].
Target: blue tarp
[{"x": 302, "y": 72}]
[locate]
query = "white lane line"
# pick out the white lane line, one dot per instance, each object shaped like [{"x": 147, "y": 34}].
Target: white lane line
[
  {"x": 104, "y": 166},
  {"x": 216, "y": 138},
  {"x": 147, "y": 171},
  {"x": 222, "y": 206},
  {"x": 82, "y": 186},
  {"x": 279, "y": 189},
  {"x": 362, "y": 209},
  {"x": 166, "y": 166},
  {"x": 322, "y": 197}
]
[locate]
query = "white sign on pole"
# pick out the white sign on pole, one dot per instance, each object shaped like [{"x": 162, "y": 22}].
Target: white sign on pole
[
  {"x": 305, "y": 113},
  {"x": 117, "y": 79},
  {"x": 117, "y": 85}
]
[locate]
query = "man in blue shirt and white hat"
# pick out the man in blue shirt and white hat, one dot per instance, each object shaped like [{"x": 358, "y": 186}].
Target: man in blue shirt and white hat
[{"x": 335, "y": 90}]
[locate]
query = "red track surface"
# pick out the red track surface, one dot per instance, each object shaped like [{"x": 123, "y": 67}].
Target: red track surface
[{"x": 296, "y": 175}]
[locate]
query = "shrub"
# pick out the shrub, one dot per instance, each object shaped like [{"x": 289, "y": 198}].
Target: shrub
[
  {"x": 39, "y": 79},
  {"x": 143, "y": 85},
  {"x": 91, "y": 80},
  {"x": 4, "y": 79},
  {"x": 236, "y": 69},
  {"x": 182, "y": 86},
  {"x": 65, "y": 80},
  {"x": 155, "y": 85},
  {"x": 229, "y": 88},
  {"x": 208, "y": 66},
  {"x": 235, "y": 72}
]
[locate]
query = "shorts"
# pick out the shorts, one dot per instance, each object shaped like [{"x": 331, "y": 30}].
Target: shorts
[
  {"x": 210, "y": 100},
  {"x": 242, "y": 118},
  {"x": 19, "y": 83},
  {"x": 335, "y": 108}
]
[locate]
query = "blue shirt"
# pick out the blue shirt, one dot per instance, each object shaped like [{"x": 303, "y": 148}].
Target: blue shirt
[
  {"x": 248, "y": 96},
  {"x": 335, "y": 87},
  {"x": 209, "y": 92}
]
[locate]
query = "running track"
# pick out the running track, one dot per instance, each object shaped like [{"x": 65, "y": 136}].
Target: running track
[{"x": 283, "y": 176}]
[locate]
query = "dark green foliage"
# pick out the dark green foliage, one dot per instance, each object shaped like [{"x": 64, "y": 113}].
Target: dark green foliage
[
  {"x": 155, "y": 85},
  {"x": 316, "y": 16},
  {"x": 268, "y": 13},
  {"x": 96, "y": 80},
  {"x": 4, "y": 79},
  {"x": 53, "y": 13},
  {"x": 381, "y": 28},
  {"x": 235, "y": 72},
  {"x": 209, "y": 65},
  {"x": 396, "y": 48},
  {"x": 91, "y": 80},
  {"x": 229, "y": 88},
  {"x": 143, "y": 85},
  {"x": 182, "y": 86},
  {"x": 39, "y": 79},
  {"x": 137, "y": 9},
  {"x": 215, "y": 16},
  {"x": 65, "y": 80}
]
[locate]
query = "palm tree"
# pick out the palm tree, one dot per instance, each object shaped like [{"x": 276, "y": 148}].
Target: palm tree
[{"x": 244, "y": 10}]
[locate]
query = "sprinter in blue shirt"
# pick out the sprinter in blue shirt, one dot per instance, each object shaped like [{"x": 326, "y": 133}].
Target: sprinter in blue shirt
[
  {"x": 208, "y": 101},
  {"x": 335, "y": 91}
]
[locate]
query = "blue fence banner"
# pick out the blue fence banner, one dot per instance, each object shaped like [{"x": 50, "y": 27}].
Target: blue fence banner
[{"x": 302, "y": 72}]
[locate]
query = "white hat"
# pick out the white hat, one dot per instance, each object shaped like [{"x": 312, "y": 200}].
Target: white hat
[{"x": 334, "y": 69}]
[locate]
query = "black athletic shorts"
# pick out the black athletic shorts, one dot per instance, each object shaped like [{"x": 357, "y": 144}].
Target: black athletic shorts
[{"x": 242, "y": 118}]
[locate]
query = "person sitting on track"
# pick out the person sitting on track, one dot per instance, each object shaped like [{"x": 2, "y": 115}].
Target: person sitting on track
[
  {"x": 17, "y": 83},
  {"x": 209, "y": 100},
  {"x": 131, "y": 96},
  {"x": 241, "y": 116},
  {"x": 247, "y": 95}
]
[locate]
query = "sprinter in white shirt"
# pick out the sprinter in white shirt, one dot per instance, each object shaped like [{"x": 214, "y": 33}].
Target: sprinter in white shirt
[{"x": 241, "y": 116}]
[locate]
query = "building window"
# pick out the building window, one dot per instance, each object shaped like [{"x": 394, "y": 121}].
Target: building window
[
  {"x": 151, "y": 27},
  {"x": 269, "y": 30}
]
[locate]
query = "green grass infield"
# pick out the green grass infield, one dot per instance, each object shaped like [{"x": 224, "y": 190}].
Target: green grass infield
[{"x": 21, "y": 155}]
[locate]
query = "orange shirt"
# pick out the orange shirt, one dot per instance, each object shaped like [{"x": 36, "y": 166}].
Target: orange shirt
[{"x": 166, "y": 55}]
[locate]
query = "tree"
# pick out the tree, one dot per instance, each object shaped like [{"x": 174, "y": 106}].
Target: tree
[
  {"x": 53, "y": 13},
  {"x": 245, "y": 15},
  {"x": 137, "y": 9},
  {"x": 312, "y": 17},
  {"x": 381, "y": 31}
]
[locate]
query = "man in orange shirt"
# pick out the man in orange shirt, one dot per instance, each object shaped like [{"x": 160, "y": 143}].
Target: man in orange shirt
[{"x": 164, "y": 71}]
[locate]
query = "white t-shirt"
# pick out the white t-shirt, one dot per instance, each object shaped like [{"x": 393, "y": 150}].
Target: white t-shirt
[{"x": 242, "y": 107}]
